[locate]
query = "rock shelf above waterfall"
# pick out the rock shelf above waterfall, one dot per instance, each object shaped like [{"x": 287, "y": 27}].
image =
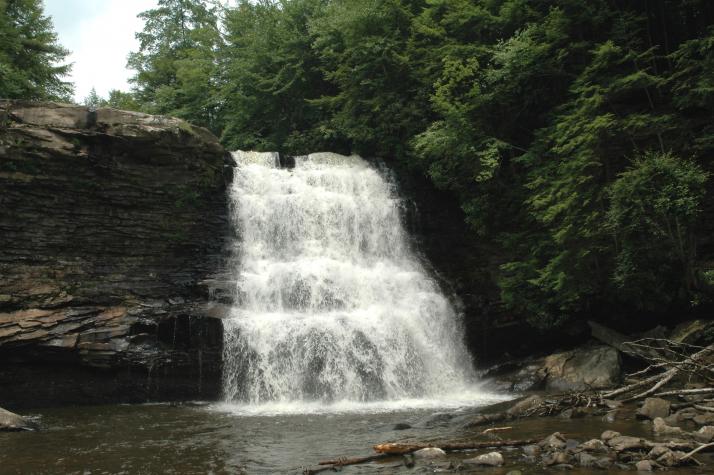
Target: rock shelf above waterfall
[{"x": 110, "y": 222}]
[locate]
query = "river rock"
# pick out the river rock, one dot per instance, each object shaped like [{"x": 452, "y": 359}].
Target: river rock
[
  {"x": 622, "y": 443},
  {"x": 491, "y": 459},
  {"x": 703, "y": 419},
  {"x": 705, "y": 434},
  {"x": 583, "y": 368},
  {"x": 603, "y": 463},
  {"x": 586, "y": 460},
  {"x": 660, "y": 427},
  {"x": 555, "y": 441},
  {"x": 609, "y": 434},
  {"x": 531, "y": 450},
  {"x": 594, "y": 445},
  {"x": 429, "y": 453},
  {"x": 654, "y": 407},
  {"x": 644, "y": 466},
  {"x": 524, "y": 405},
  {"x": 555, "y": 458},
  {"x": 9, "y": 421}
]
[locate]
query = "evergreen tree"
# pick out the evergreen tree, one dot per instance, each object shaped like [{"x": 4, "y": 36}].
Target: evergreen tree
[
  {"x": 30, "y": 56},
  {"x": 176, "y": 62}
]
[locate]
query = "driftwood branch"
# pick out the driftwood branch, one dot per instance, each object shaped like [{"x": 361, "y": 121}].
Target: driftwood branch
[{"x": 401, "y": 448}]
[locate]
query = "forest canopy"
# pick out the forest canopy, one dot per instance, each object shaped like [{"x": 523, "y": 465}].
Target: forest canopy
[{"x": 577, "y": 134}]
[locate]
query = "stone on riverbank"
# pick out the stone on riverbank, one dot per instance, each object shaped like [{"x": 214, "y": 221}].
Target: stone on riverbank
[
  {"x": 9, "y": 421},
  {"x": 429, "y": 453},
  {"x": 491, "y": 459},
  {"x": 654, "y": 407}
]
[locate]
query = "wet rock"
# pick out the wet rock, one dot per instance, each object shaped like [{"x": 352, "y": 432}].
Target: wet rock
[
  {"x": 622, "y": 443},
  {"x": 586, "y": 460},
  {"x": 525, "y": 405},
  {"x": 603, "y": 463},
  {"x": 672, "y": 420},
  {"x": 576, "y": 413},
  {"x": 555, "y": 441},
  {"x": 703, "y": 419},
  {"x": 670, "y": 458},
  {"x": 644, "y": 466},
  {"x": 571, "y": 444},
  {"x": 658, "y": 451},
  {"x": 555, "y": 458},
  {"x": 531, "y": 450},
  {"x": 691, "y": 331},
  {"x": 654, "y": 407},
  {"x": 584, "y": 368},
  {"x": 9, "y": 421},
  {"x": 563, "y": 466},
  {"x": 609, "y": 434},
  {"x": 705, "y": 434},
  {"x": 661, "y": 428},
  {"x": 429, "y": 453},
  {"x": 408, "y": 460},
  {"x": 401, "y": 426},
  {"x": 594, "y": 445},
  {"x": 491, "y": 459},
  {"x": 441, "y": 419}
]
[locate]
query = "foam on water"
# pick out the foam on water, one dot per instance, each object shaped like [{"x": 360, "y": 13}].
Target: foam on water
[{"x": 333, "y": 310}]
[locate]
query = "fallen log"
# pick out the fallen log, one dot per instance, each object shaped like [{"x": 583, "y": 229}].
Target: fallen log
[{"x": 401, "y": 448}]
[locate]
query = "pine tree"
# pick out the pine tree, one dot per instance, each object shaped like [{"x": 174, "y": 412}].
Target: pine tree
[{"x": 30, "y": 56}]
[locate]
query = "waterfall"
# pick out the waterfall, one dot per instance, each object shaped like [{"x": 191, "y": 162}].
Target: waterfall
[{"x": 331, "y": 303}]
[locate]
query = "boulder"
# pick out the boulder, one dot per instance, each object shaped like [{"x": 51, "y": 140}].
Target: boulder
[
  {"x": 644, "y": 466},
  {"x": 491, "y": 459},
  {"x": 583, "y": 368},
  {"x": 524, "y": 405},
  {"x": 9, "y": 421},
  {"x": 586, "y": 460},
  {"x": 555, "y": 458},
  {"x": 531, "y": 450},
  {"x": 691, "y": 331},
  {"x": 654, "y": 407},
  {"x": 555, "y": 441},
  {"x": 660, "y": 427},
  {"x": 623, "y": 443},
  {"x": 609, "y": 434},
  {"x": 705, "y": 434},
  {"x": 594, "y": 445},
  {"x": 429, "y": 453}
]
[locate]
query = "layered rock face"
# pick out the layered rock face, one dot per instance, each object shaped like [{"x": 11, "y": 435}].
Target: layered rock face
[{"x": 112, "y": 228}]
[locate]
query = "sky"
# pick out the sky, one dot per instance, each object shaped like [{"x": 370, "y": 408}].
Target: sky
[{"x": 100, "y": 35}]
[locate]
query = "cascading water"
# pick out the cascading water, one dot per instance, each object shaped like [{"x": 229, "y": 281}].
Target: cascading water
[{"x": 331, "y": 302}]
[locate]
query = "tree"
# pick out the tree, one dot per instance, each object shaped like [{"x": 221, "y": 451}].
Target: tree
[
  {"x": 176, "y": 62},
  {"x": 30, "y": 56},
  {"x": 93, "y": 100},
  {"x": 655, "y": 206}
]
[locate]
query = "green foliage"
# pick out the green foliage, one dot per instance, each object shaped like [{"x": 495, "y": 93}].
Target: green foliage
[
  {"x": 561, "y": 126},
  {"x": 176, "y": 62},
  {"x": 655, "y": 207},
  {"x": 30, "y": 57}
]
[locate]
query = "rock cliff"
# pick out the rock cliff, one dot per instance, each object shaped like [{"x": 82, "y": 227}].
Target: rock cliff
[{"x": 112, "y": 227}]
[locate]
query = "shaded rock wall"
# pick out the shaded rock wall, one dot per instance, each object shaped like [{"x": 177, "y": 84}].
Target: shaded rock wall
[{"x": 112, "y": 228}]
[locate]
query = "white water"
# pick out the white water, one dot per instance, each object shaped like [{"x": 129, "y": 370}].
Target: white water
[{"x": 333, "y": 310}]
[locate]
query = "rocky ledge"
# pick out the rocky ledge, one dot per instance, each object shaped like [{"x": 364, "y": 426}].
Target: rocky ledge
[{"x": 112, "y": 230}]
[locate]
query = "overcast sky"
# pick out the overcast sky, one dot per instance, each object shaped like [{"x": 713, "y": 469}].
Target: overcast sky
[{"x": 100, "y": 35}]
